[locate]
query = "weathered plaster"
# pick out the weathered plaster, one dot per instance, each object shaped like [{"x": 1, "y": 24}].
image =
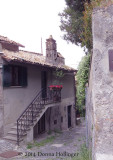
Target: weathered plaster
[
  {"x": 101, "y": 85},
  {"x": 16, "y": 99},
  {"x": 1, "y": 100}
]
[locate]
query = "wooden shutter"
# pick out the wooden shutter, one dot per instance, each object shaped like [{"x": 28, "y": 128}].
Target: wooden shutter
[
  {"x": 7, "y": 76},
  {"x": 22, "y": 75}
]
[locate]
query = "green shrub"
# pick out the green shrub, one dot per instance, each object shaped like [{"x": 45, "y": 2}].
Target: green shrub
[
  {"x": 29, "y": 145},
  {"x": 82, "y": 79},
  {"x": 45, "y": 141}
]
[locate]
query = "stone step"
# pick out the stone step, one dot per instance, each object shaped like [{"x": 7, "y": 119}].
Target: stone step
[
  {"x": 14, "y": 133},
  {"x": 12, "y": 139},
  {"x": 15, "y": 128}
]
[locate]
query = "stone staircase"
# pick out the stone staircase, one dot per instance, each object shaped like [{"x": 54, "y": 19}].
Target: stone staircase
[
  {"x": 31, "y": 115},
  {"x": 12, "y": 134}
]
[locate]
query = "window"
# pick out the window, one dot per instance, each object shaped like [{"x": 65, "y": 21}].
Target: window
[
  {"x": 55, "y": 121},
  {"x": 62, "y": 119},
  {"x": 14, "y": 76}
]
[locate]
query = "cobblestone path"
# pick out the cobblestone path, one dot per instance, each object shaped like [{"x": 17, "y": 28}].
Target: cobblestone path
[{"x": 64, "y": 145}]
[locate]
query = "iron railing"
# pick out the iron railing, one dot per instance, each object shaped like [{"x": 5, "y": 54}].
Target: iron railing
[{"x": 30, "y": 114}]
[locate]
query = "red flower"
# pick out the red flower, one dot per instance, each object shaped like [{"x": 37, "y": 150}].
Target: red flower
[{"x": 56, "y": 86}]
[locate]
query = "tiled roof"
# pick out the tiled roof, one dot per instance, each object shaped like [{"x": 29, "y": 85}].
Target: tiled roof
[
  {"x": 7, "y": 40},
  {"x": 32, "y": 58}
]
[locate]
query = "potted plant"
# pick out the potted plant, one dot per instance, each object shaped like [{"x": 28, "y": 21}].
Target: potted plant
[{"x": 55, "y": 87}]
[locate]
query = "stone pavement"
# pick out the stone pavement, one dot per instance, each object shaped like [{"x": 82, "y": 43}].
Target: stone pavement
[{"x": 65, "y": 145}]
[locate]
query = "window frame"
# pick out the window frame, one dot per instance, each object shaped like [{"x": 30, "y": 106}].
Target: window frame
[{"x": 21, "y": 78}]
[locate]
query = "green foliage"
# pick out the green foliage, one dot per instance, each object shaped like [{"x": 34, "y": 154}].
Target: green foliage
[
  {"x": 87, "y": 39},
  {"x": 76, "y": 21},
  {"x": 82, "y": 79},
  {"x": 58, "y": 74},
  {"x": 77, "y": 5},
  {"x": 42, "y": 143},
  {"x": 72, "y": 25},
  {"x": 29, "y": 145},
  {"x": 72, "y": 22},
  {"x": 84, "y": 154},
  {"x": 87, "y": 27},
  {"x": 45, "y": 141}
]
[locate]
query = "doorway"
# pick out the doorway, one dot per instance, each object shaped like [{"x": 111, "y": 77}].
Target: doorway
[
  {"x": 39, "y": 128},
  {"x": 69, "y": 116},
  {"x": 44, "y": 84},
  {"x": 41, "y": 125}
]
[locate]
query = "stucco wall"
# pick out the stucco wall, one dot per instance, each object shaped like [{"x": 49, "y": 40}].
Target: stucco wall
[
  {"x": 16, "y": 99},
  {"x": 68, "y": 86}
]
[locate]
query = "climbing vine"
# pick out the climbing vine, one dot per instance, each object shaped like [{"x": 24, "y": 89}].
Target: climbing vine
[
  {"x": 82, "y": 79},
  {"x": 86, "y": 35}
]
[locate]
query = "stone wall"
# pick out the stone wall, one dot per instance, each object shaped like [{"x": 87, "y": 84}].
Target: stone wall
[
  {"x": 1, "y": 99},
  {"x": 100, "y": 91}
]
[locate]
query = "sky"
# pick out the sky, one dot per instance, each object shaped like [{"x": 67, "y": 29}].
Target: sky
[{"x": 26, "y": 21}]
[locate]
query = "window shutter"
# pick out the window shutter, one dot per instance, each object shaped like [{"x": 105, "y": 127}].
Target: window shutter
[
  {"x": 7, "y": 76},
  {"x": 22, "y": 76}
]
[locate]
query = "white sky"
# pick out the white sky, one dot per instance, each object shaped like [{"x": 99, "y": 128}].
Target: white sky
[{"x": 26, "y": 21}]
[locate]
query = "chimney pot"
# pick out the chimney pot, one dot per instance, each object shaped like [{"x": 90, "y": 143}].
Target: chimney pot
[{"x": 51, "y": 37}]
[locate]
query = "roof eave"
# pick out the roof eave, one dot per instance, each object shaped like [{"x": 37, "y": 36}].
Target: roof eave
[{"x": 28, "y": 62}]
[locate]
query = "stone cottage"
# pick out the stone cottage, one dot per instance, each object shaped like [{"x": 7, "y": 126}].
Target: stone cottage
[{"x": 28, "y": 106}]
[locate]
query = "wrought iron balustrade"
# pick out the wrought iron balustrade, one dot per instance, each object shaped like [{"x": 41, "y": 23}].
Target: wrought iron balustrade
[{"x": 30, "y": 114}]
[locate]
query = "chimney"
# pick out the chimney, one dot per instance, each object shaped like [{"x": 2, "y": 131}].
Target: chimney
[{"x": 51, "y": 50}]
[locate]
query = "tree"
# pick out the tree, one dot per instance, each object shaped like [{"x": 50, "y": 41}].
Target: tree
[
  {"x": 72, "y": 21},
  {"x": 76, "y": 5},
  {"x": 72, "y": 25}
]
